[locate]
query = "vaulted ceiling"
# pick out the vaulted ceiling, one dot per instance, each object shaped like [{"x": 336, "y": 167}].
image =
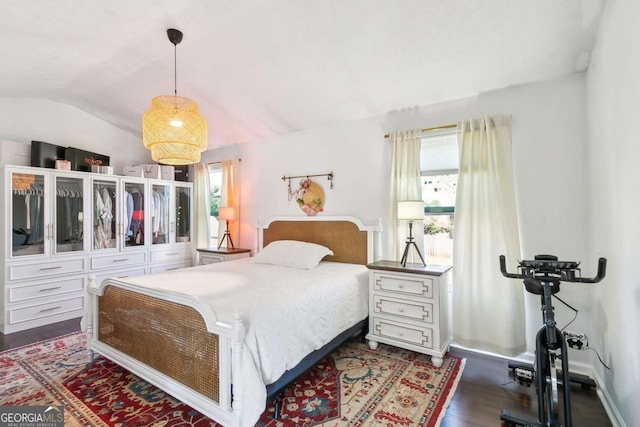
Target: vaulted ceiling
[{"x": 259, "y": 68}]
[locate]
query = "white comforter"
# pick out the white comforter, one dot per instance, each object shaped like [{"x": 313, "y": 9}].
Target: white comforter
[{"x": 287, "y": 312}]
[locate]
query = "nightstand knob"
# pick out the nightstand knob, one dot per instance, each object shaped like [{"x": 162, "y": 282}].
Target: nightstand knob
[
  {"x": 401, "y": 286},
  {"x": 400, "y": 310},
  {"x": 400, "y": 334}
]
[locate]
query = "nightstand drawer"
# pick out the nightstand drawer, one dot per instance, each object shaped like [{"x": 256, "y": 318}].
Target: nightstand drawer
[
  {"x": 407, "y": 285},
  {"x": 213, "y": 256},
  {"x": 401, "y": 332},
  {"x": 416, "y": 310},
  {"x": 211, "y": 259}
]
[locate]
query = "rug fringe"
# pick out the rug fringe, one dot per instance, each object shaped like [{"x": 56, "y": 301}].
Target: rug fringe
[{"x": 452, "y": 392}]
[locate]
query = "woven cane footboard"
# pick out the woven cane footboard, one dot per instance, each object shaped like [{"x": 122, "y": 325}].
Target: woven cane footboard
[{"x": 169, "y": 337}]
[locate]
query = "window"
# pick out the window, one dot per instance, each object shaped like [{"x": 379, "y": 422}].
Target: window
[
  {"x": 215, "y": 192},
  {"x": 439, "y": 170}
]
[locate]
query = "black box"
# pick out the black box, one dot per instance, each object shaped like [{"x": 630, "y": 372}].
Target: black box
[
  {"x": 181, "y": 173},
  {"x": 44, "y": 155},
  {"x": 82, "y": 160}
]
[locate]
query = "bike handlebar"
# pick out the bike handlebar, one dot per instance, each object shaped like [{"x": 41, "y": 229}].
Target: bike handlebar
[{"x": 548, "y": 265}]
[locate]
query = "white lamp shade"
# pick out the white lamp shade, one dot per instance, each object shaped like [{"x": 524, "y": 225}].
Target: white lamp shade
[
  {"x": 411, "y": 209},
  {"x": 227, "y": 213}
]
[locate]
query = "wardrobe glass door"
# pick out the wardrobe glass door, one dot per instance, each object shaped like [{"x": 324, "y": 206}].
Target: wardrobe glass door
[
  {"x": 160, "y": 222},
  {"x": 104, "y": 219},
  {"x": 30, "y": 232},
  {"x": 69, "y": 214},
  {"x": 183, "y": 214},
  {"x": 134, "y": 214}
]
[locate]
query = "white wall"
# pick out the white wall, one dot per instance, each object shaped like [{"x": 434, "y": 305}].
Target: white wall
[
  {"x": 25, "y": 120},
  {"x": 614, "y": 145},
  {"x": 549, "y": 148}
]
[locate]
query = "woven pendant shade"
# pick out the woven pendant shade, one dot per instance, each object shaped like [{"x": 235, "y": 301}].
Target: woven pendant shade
[{"x": 174, "y": 130}]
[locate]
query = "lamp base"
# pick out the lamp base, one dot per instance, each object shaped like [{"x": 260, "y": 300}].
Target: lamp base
[
  {"x": 227, "y": 236},
  {"x": 411, "y": 243}
]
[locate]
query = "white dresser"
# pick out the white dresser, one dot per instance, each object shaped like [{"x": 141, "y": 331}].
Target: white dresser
[{"x": 409, "y": 307}]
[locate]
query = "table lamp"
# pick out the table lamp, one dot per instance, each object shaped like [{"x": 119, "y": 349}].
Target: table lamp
[
  {"x": 410, "y": 210},
  {"x": 227, "y": 214}
]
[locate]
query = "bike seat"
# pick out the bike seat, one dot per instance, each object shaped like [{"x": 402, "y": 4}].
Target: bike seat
[{"x": 534, "y": 284}]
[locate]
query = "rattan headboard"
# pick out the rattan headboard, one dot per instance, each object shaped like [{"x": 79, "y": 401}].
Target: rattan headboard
[{"x": 348, "y": 238}]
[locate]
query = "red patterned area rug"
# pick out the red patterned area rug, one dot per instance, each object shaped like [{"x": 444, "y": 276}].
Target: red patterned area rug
[{"x": 354, "y": 386}]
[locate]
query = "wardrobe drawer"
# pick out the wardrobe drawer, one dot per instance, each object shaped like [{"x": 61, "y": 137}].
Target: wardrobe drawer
[
  {"x": 120, "y": 274},
  {"x": 39, "y": 290},
  {"x": 29, "y": 271},
  {"x": 401, "y": 332},
  {"x": 112, "y": 261},
  {"x": 416, "y": 310},
  {"x": 407, "y": 285},
  {"x": 171, "y": 254},
  {"x": 169, "y": 266},
  {"x": 38, "y": 311}
]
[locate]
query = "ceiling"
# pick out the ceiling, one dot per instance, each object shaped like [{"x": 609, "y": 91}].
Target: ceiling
[{"x": 259, "y": 68}]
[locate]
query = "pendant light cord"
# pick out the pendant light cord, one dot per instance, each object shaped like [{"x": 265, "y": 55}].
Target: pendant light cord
[{"x": 175, "y": 70}]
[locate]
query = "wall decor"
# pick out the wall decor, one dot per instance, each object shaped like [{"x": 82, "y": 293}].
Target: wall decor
[{"x": 309, "y": 195}]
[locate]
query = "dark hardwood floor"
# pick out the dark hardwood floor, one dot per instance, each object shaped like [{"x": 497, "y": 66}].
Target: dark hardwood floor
[{"x": 486, "y": 387}]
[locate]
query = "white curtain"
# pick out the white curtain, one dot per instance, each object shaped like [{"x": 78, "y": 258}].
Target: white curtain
[
  {"x": 230, "y": 197},
  {"x": 488, "y": 309},
  {"x": 405, "y": 184},
  {"x": 201, "y": 208}
]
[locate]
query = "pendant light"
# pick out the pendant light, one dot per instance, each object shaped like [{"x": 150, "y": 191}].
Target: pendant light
[{"x": 173, "y": 129}]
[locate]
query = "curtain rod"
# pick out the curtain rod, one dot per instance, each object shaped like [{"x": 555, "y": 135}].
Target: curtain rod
[{"x": 433, "y": 129}]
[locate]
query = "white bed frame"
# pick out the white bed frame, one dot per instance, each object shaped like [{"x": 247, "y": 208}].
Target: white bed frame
[{"x": 229, "y": 408}]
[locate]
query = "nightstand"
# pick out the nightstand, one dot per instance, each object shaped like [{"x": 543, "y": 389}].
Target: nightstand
[
  {"x": 409, "y": 307},
  {"x": 213, "y": 255}
]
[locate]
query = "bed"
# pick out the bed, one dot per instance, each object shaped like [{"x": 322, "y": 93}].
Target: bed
[{"x": 224, "y": 337}]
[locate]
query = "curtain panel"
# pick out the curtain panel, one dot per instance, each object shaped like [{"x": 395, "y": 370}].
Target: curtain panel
[
  {"x": 488, "y": 309},
  {"x": 200, "y": 208},
  {"x": 405, "y": 184},
  {"x": 230, "y": 196}
]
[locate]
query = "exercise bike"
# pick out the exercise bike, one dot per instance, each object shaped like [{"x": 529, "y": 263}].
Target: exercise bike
[{"x": 542, "y": 276}]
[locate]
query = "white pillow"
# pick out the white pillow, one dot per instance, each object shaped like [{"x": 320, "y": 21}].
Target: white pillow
[{"x": 292, "y": 253}]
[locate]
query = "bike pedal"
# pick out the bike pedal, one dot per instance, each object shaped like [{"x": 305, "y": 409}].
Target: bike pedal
[{"x": 523, "y": 376}]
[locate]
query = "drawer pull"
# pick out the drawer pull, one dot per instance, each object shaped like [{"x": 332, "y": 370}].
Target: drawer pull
[
  {"x": 50, "y": 289},
  {"x": 401, "y": 286},
  {"x": 400, "y": 333},
  {"x": 169, "y": 269},
  {"x": 400, "y": 310},
  {"x": 50, "y": 309},
  {"x": 50, "y": 268},
  {"x": 174, "y": 253},
  {"x": 121, "y": 260}
]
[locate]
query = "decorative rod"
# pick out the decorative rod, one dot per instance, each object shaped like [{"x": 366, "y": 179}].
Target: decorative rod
[
  {"x": 289, "y": 178},
  {"x": 328, "y": 175}
]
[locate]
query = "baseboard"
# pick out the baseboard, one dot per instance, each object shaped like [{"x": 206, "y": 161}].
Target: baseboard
[
  {"x": 609, "y": 407},
  {"x": 574, "y": 367}
]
